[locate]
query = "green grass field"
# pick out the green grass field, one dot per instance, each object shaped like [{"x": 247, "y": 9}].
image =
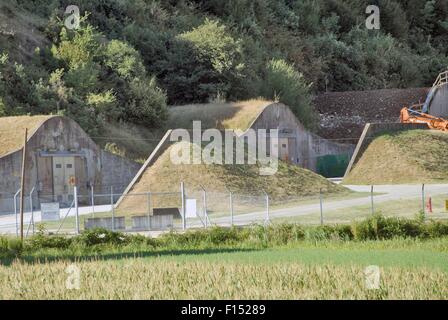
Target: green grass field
[
  {"x": 333, "y": 270},
  {"x": 278, "y": 261}
]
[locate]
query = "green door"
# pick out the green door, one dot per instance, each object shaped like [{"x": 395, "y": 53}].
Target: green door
[{"x": 332, "y": 166}]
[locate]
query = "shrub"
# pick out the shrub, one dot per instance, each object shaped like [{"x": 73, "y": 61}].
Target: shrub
[
  {"x": 215, "y": 47},
  {"x": 43, "y": 241},
  {"x": 214, "y": 236},
  {"x": 146, "y": 104},
  {"x": 380, "y": 227},
  {"x": 214, "y": 44},
  {"x": 124, "y": 60},
  {"x": 15, "y": 247},
  {"x": 323, "y": 233},
  {"x": 10, "y": 247},
  {"x": 282, "y": 81},
  {"x": 101, "y": 236},
  {"x": 436, "y": 229},
  {"x": 285, "y": 233},
  {"x": 3, "y": 245}
]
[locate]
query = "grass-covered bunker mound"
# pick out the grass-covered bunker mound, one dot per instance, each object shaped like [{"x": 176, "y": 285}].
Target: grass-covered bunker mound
[
  {"x": 165, "y": 176},
  {"x": 412, "y": 156}
]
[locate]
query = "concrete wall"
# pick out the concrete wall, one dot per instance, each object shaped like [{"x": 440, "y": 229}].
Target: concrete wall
[
  {"x": 371, "y": 130},
  {"x": 439, "y": 104},
  {"x": 117, "y": 171},
  {"x": 61, "y": 134},
  {"x": 308, "y": 146}
]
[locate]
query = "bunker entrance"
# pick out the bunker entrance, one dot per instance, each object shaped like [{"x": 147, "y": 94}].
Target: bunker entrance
[{"x": 58, "y": 174}]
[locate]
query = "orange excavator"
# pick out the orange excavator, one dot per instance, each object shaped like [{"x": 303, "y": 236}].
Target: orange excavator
[{"x": 410, "y": 115}]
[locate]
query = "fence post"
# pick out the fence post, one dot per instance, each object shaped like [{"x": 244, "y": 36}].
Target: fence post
[
  {"x": 112, "y": 207},
  {"x": 371, "y": 199},
  {"x": 92, "y": 194},
  {"x": 31, "y": 208},
  {"x": 231, "y": 208},
  {"x": 149, "y": 210},
  {"x": 321, "y": 208},
  {"x": 423, "y": 200},
  {"x": 204, "y": 199},
  {"x": 267, "y": 207},
  {"x": 182, "y": 192},
  {"x": 15, "y": 212},
  {"x": 75, "y": 193}
]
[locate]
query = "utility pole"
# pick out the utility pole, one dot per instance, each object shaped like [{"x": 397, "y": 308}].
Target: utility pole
[{"x": 22, "y": 183}]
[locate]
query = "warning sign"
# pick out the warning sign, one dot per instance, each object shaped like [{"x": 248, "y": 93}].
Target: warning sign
[
  {"x": 72, "y": 180},
  {"x": 49, "y": 211}
]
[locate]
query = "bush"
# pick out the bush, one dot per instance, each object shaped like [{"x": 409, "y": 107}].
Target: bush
[
  {"x": 124, "y": 60},
  {"x": 436, "y": 229},
  {"x": 324, "y": 233},
  {"x": 284, "y": 233},
  {"x": 284, "y": 83},
  {"x": 15, "y": 247},
  {"x": 3, "y": 245},
  {"x": 146, "y": 104},
  {"x": 379, "y": 227},
  {"x": 101, "y": 236},
  {"x": 215, "y": 47},
  {"x": 55, "y": 242},
  {"x": 214, "y": 236},
  {"x": 10, "y": 247}
]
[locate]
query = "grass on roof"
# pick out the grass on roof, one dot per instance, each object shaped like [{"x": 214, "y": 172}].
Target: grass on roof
[
  {"x": 12, "y": 130},
  {"x": 412, "y": 156},
  {"x": 221, "y": 115}
]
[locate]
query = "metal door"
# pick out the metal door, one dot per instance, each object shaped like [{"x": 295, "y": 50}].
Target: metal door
[
  {"x": 63, "y": 174},
  {"x": 284, "y": 149}
]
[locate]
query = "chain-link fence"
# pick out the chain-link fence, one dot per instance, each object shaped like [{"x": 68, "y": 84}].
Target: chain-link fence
[{"x": 199, "y": 208}]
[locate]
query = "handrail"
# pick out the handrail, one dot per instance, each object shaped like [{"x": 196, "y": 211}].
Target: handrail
[
  {"x": 442, "y": 79},
  {"x": 416, "y": 107}
]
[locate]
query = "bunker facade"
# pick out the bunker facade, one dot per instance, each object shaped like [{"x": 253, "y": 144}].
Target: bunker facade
[{"x": 60, "y": 155}]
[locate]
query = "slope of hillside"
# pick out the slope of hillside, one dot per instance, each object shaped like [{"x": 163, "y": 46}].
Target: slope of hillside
[
  {"x": 344, "y": 114},
  {"x": 413, "y": 156},
  {"x": 289, "y": 181},
  {"x": 20, "y": 32}
]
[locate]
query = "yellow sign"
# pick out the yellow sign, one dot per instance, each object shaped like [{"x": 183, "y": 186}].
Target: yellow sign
[{"x": 72, "y": 180}]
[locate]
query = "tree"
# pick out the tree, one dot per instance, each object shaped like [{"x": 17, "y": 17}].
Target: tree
[
  {"x": 147, "y": 103},
  {"x": 124, "y": 60},
  {"x": 284, "y": 83},
  {"x": 214, "y": 46}
]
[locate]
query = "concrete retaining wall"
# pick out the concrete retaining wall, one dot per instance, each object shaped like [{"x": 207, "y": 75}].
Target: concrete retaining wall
[
  {"x": 117, "y": 171},
  {"x": 106, "y": 223},
  {"x": 439, "y": 104},
  {"x": 152, "y": 222}
]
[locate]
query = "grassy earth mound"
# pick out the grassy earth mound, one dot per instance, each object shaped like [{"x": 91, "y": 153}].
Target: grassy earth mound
[
  {"x": 413, "y": 156},
  {"x": 289, "y": 181}
]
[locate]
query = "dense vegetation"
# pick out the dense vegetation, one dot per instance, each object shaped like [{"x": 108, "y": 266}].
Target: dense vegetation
[
  {"x": 129, "y": 59},
  {"x": 96, "y": 241}
]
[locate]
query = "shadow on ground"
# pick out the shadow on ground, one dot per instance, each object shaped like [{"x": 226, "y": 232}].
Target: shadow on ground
[{"x": 7, "y": 261}]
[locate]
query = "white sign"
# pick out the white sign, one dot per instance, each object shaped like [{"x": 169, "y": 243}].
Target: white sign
[
  {"x": 191, "y": 208},
  {"x": 49, "y": 211}
]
